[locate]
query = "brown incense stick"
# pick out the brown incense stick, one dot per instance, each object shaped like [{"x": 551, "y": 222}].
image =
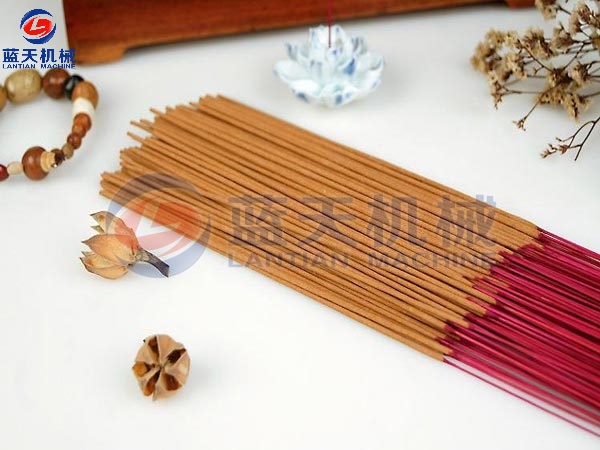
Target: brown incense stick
[
  {"x": 434, "y": 293},
  {"x": 481, "y": 287}
]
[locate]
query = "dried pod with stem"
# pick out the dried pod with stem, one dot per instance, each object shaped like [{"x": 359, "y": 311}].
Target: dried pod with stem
[
  {"x": 161, "y": 366},
  {"x": 558, "y": 70},
  {"x": 115, "y": 249}
]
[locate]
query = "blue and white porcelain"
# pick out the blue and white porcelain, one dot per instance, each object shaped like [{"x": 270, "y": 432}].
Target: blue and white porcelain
[{"x": 331, "y": 76}]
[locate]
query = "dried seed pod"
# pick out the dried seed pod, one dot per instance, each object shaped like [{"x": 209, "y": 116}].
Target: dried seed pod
[
  {"x": 115, "y": 249},
  {"x": 161, "y": 366},
  {"x": 101, "y": 266},
  {"x": 108, "y": 223}
]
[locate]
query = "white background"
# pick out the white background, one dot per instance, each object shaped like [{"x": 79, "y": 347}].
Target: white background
[{"x": 271, "y": 369}]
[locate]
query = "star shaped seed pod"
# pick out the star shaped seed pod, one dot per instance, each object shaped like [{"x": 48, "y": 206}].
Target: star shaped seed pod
[
  {"x": 116, "y": 249},
  {"x": 161, "y": 366}
]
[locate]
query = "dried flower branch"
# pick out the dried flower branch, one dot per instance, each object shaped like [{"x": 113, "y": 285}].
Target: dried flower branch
[
  {"x": 560, "y": 70},
  {"x": 116, "y": 249}
]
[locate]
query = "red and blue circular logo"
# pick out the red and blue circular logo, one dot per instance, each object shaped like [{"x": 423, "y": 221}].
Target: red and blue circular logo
[
  {"x": 38, "y": 26},
  {"x": 177, "y": 232}
]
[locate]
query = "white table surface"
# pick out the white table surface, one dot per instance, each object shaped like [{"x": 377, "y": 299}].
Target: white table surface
[{"x": 271, "y": 369}]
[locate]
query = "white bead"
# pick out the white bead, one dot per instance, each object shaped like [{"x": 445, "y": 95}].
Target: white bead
[
  {"x": 14, "y": 168},
  {"x": 83, "y": 105}
]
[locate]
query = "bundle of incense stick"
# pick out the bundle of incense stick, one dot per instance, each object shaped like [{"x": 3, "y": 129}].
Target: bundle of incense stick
[{"x": 451, "y": 276}]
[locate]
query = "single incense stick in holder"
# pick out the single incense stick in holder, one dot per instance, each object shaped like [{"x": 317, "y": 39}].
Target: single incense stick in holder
[{"x": 451, "y": 276}]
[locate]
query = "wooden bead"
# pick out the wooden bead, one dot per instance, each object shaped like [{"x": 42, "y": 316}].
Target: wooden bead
[
  {"x": 32, "y": 163},
  {"x": 23, "y": 85},
  {"x": 83, "y": 120},
  {"x": 75, "y": 140},
  {"x": 3, "y": 97},
  {"x": 15, "y": 168},
  {"x": 54, "y": 81},
  {"x": 59, "y": 157},
  {"x": 86, "y": 90},
  {"x": 68, "y": 150},
  {"x": 3, "y": 172},
  {"x": 78, "y": 129}
]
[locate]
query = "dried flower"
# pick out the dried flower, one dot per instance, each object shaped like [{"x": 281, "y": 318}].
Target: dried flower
[
  {"x": 574, "y": 142},
  {"x": 116, "y": 249},
  {"x": 561, "y": 70},
  {"x": 548, "y": 8},
  {"x": 161, "y": 366},
  {"x": 579, "y": 73}
]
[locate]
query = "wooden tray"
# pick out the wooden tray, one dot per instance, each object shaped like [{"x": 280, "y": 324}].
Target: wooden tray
[{"x": 102, "y": 30}]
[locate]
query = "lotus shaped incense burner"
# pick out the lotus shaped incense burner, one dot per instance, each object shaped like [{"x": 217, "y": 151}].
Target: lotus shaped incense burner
[{"x": 330, "y": 75}]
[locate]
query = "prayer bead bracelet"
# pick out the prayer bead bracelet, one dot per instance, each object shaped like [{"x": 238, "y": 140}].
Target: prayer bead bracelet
[{"x": 24, "y": 85}]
